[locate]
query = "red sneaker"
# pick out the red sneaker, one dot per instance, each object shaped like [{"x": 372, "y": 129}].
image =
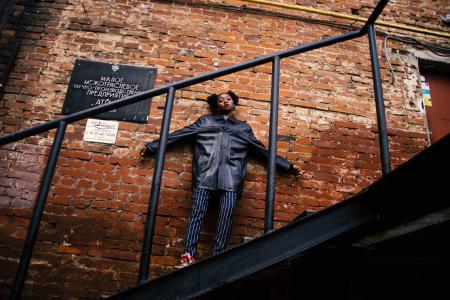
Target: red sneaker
[{"x": 185, "y": 260}]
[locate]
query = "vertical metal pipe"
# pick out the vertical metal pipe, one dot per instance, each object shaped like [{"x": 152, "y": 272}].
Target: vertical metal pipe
[
  {"x": 375, "y": 14},
  {"x": 156, "y": 186},
  {"x": 33, "y": 228},
  {"x": 271, "y": 166},
  {"x": 379, "y": 102}
]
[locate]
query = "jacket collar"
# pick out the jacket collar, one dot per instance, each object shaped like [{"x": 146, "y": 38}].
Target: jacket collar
[{"x": 231, "y": 118}]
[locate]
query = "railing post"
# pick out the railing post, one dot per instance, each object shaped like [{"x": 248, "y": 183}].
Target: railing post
[
  {"x": 33, "y": 228},
  {"x": 271, "y": 166},
  {"x": 156, "y": 186},
  {"x": 379, "y": 101}
]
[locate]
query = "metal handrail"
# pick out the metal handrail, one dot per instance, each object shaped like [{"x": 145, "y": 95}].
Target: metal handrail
[
  {"x": 176, "y": 85},
  {"x": 170, "y": 90}
]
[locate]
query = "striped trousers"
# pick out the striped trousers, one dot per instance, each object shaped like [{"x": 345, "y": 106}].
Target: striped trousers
[{"x": 200, "y": 199}]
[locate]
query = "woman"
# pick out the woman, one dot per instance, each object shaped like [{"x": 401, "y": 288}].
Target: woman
[{"x": 221, "y": 144}]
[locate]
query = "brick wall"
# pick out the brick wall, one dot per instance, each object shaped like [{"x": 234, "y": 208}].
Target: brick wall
[{"x": 91, "y": 233}]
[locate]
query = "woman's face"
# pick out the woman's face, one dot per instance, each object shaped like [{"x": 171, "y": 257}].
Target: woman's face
[{"x": 225, "y": 104}]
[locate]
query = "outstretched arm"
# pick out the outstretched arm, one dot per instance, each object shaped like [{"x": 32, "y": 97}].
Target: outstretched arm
[
  {"x": 261, "y": 151},
  {"x": 178, "y": 135}
]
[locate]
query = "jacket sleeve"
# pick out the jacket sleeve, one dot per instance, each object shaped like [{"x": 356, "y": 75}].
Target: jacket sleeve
[
  {"x": 178, "y": 135},
  {"x": 259, "y": 149}
]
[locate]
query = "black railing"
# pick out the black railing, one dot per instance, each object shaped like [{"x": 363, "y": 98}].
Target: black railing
[
  {"x": 379, "y": 101},
  {"x": 273, "y": 127},
  {"x": 170, "y": 90}
]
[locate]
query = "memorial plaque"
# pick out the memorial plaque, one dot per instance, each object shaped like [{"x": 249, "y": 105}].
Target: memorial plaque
[{"x": 95, "y": 83}]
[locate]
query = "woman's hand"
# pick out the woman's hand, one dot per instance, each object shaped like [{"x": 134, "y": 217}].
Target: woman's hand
[
  {"x": 295, "y": 171},
  {"x": 144, "y": 153}
]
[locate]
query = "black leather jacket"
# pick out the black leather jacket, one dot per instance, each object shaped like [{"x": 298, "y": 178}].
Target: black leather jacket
[{"x": 220, "y": 151}]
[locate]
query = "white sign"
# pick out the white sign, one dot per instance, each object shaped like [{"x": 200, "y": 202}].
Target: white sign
[{"x": 101, "y": 131}]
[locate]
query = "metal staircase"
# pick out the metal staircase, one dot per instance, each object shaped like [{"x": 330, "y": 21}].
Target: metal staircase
[{"x": 308, "y": 232}]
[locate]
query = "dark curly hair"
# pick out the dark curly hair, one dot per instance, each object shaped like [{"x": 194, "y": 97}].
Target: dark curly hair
[{"x": 212, "y": 100}]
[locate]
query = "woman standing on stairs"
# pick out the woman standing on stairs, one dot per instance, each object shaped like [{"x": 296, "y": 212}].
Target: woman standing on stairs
[{"x": 221, "y": 143}]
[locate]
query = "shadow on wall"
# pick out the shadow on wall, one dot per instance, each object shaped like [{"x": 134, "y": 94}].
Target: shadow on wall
[
  {"x": 340, "y": 162},
  {"x": 22, "y": 163}
]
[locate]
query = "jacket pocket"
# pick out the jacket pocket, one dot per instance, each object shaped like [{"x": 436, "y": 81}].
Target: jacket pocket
[
  {"x": 202, "y": 162},
  {"x": 235, "y": 166}
]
